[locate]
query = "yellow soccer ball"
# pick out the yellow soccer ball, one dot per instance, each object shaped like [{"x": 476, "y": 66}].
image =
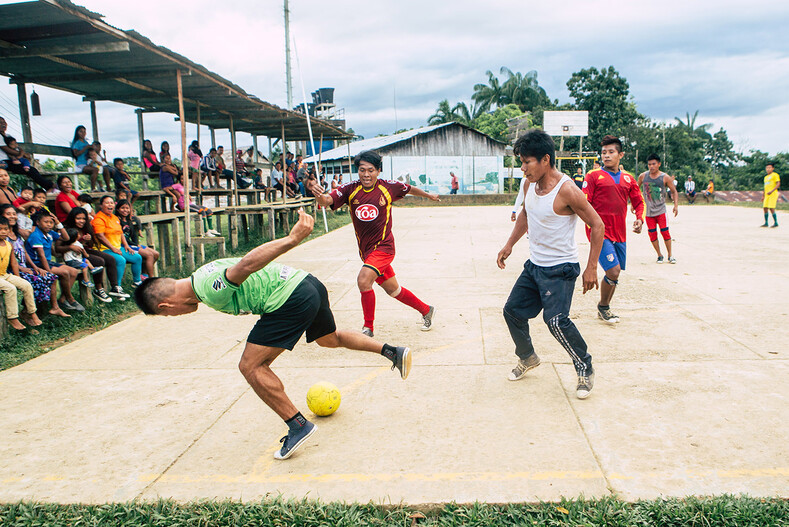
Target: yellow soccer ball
[{"x": 323, "y": 398}]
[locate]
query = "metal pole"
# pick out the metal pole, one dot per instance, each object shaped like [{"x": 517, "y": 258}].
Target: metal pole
[
  {"x": 287, "y": 58},
  {"x": 235, "y": 167},
  {"x": 94, "y": 121},
  {"x": 184, "y": 164},
  {"x": 284, "y": 164},
  {"x": 24, "y": 113}
]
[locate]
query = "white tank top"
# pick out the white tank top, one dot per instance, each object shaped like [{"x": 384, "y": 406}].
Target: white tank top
[{"x": 551, "y": 236}]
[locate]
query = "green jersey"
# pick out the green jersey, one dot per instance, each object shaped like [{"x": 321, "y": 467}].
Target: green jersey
[{"x": 262, "y": 292}]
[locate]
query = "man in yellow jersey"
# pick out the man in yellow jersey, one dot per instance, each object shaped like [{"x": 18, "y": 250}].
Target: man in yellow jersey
[{"x": 772, "y": 182}]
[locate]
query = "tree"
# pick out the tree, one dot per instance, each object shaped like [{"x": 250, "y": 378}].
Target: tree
[
  {"x": 494, "y": 124},
  {"x": 606, "y": 96},
  {"x": 486, "y": 95},
  {"x": 443, "y": 114},
  {"x": 467, "y": 115},
  {"x": 719, "y": 151},
  {"x": 523, "y": 90},
  {"x": 689, "y": 125}
]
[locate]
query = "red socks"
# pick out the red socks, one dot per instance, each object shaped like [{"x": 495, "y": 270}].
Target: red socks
[
  {"x": 368, "y": 308},
  {"x": 408, "y": 298}
]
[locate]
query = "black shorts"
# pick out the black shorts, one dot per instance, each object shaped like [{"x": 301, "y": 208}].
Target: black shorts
[{"x": 307, "y": 309}]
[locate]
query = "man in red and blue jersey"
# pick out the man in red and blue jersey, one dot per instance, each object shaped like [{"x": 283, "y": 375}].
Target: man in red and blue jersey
[
  {"x": 608, "y": 189},
  {"x": 370, "y": 200}
]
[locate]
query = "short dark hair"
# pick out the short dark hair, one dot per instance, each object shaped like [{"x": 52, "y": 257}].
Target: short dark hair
[
  {"x": 73, "y": 234},
  {"x": 115, "y": 161},
  {"x": 85, "y": 198},
  {"x": 27, "y": 187},
  {"x": 8, "y": 140},
  {"x": 770, "y": 164},
  {"x": 3, "y": 221},
  {"x": 149, "y": 293},
  {"x": 535, "y": 143},
  {"x": 612, "y": 140},
  {"x": 653, "y": 157},
  {"x": 368, "y": 156},
  {"x": 37, "y": 191}
]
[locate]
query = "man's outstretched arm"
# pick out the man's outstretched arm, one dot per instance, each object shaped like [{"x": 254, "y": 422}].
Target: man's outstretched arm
[
  {"x": 258, "y": 258},
  {"x": 414, "y": 191}
]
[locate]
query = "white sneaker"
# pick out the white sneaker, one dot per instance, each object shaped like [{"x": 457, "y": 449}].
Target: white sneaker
[
  {"x": 214, "y": 232},
  {"x": 209, "y": 234}
]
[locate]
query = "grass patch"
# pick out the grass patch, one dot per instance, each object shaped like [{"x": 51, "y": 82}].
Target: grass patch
[
  {"x": 16, "y": 348},
  {"x": 734, "y": 511}
]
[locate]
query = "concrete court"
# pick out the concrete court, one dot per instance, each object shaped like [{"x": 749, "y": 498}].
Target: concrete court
[{"x": 691, "y": 395}]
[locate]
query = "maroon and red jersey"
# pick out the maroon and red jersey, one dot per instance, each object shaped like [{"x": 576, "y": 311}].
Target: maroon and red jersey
[
  {"x": 608, "y": 194},
  {"x": 371, "y": 212}
]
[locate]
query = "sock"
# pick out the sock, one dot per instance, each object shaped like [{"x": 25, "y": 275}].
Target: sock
[
  {"x": 368, "y": 308},
  {"x": 296, "y": 422},
  {"x": 210, "y": 221},
  {"x": 766, "y": 217},
  {"x": 390, "y": 352},
  {"x": 775, "y": 218},
  {"x": 602, "y": 306},
  {"x": 408, "y": 298},
  {"x": 205, "y": 225}
]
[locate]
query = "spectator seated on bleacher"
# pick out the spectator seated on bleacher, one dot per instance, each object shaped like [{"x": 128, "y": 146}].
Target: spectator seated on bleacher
[
  {"x": 8, "y": 152},
  {"x": 44, "y": 284},
  {"x": 85, "y": 201},
  {"x": 221, "y": 166},
  {"x": 149, "y": 157},
  {"x": 208, "y": 168},
  {"x": 168, "y": 176},
  {"x": 242, "y": 175},
  {"x": 109, "y": 233},
  {"x": 26, "y": 212},
  {"x": 39, "y": 247},
  {"x": 122, "y": 179},
  {"x": 709, "y": 193},
  {"x": 95, "y": 161},
  {"x": 80, "y": 151},
  {"x": 11, "y": 282},
  {"x": 131, "y": 231},
  {"x": 204, "y": 212},
  {"x": 7, "y": 194},
  {"x": 78, "y": 220},
  {"x": 164, "y": 149},
  {"x": 67, "y": 199},
  {"x": 195, "y": 155},
  {"x": 74, "y": 255}
]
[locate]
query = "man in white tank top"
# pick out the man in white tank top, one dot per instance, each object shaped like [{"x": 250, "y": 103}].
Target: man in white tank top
[{"x": 552, "y": 204}]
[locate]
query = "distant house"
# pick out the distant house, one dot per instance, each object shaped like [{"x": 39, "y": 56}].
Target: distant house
[{"x": 426, "y": 156}]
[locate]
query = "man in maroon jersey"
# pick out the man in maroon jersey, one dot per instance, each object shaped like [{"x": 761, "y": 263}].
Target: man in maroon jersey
[{"x": 370, "y": 200}]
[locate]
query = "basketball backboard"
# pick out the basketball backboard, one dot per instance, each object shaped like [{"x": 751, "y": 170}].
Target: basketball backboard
[{"x": 566, "y": 123}]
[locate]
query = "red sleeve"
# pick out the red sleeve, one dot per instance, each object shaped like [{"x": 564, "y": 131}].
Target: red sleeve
[
  {"x": 339, "y": 195},
  {"x": 637, "y": 200},
  {"x": 588, "y": 186},
  {"x": 19, "y": 201},
  {"x": 397, "y": 189}
]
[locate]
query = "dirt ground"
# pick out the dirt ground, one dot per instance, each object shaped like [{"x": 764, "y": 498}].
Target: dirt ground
[{"x": 691, "y": 395}]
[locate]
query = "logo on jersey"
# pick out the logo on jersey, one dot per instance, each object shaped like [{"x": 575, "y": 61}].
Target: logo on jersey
[
  {"x": 210, "y": 268},
  {"x": 586, "y": 184},
  {"x": 627, "y": 179},
  {"x": 218, "y": 284},
  {"x": 367, "y": 212},
  {"x": 382, "y": 201},
  {"x": 600, "y": 177},
  {"x": 285, "y": 272},
  {"x": 355, "y": 201},
  {"x": 339, "y": 193},
  {"x": 609, "y": 257}
]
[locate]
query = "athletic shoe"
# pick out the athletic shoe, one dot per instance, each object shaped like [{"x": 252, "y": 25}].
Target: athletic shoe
[
  {"x": 764, "y": 225},
  {"x": 294, "y": 440},
  {"x": 606, "y": 315},
  {"x": 209, "y": 234},
  {"x": 659, "y": 260},
  {"x": 87, "y": 284},
  {"x": 97, "y": 270},
  {"x": 101, "y": 295},
  {"x": 672, "y": 260},
  {"x": 136, "y": 284},
  {"x": 367, "y": 331},
  {"x": 427, "y": 320},
  {"x": 585, "y": 385},
  {"x": 775, "y": 225},
  {"x": 214, "y": 232},
  {"x": 118, "y": 291},
  {"x": 403, "y": 361},
  {"x": 523, "y": 366},
  {"x": 65, "y": 304},
  {"x": 76, "y": 306}
]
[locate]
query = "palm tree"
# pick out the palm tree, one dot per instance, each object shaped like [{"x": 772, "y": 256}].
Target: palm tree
[
  {"x": 523, "y": 90},
  {"x": 486, "y": 95},
  {"x": 444, "y": 114},
  {"x": 689, "y": 125},
  {"x": 465, "y": 114}
]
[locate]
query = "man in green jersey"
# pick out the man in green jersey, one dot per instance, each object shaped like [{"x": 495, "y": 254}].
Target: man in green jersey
[{"x": 289, "y": 301}]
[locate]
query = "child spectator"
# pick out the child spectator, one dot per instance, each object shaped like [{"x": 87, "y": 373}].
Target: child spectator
[
  {"x": 168, "y": 175},
  {"x": 77, "y": 257},
  {"x": 96, "y": 162},
  {"x": 44, "y": 284},
  {"x": 39, "y": 247},
  {"x": 7, "y": 194},
  {"x": 204, "y": 212},
  {"x": 194, "y": 155},
  {"x": 11, "y": 282},
  {"x": 84, "y": 201},
  {"x": 165, "y": 150},
  {"x": 149, "y": 157},
  {"x": 208, "y": 167},
  {"x": 78, "y": 219},
  {"x": 18, "y": 157},
  {"x": 25, "y": 200},
  {"x": 131, "y": 231},
  {"x": 122, "y": 179},
  {"x": 24, "y": 221}
]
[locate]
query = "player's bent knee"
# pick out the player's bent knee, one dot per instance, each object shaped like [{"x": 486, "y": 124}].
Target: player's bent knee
[{"x": 332, "y": 340}]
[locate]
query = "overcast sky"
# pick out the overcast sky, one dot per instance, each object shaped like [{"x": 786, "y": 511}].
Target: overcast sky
[{"x": 727, "y": 59}]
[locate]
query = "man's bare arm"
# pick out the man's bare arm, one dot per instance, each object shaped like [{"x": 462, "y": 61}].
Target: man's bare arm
[
  {"x": 520, "y": 228},
  {"x": 578, "y": 203},
  {"x": 258, "y": 258},
  {"x": 415, "y": 191}
]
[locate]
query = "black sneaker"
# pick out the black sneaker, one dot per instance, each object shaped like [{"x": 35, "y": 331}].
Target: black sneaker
[
  {"x": 659, "y": 259},
  {"x": 605, "y": 315},
  {"x": 403, "y": 361},
  {"x": 118, "y": 292},
  {"x": 523, "y": 366},
  {"x": 293, "y": 440},
  {"x": 101, "y": 295},
  {"x": 585, "y": 385},
  {"x": 97, "y": 270},
  {"x": 427, "y": 320}
]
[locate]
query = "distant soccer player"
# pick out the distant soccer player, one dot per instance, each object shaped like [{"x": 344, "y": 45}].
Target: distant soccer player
[
  {"x": 370, "y": 200},
  {"x": 608, "y": 190},
  {"x": 551, "y": 207},
  {"x": 772, "y": 182},
  {"x": 289, "y": 301},
  {"x": 653, "y": 185}
]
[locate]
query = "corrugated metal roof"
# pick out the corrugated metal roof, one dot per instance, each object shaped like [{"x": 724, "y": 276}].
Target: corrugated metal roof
[{"x": 59, "y": 44}]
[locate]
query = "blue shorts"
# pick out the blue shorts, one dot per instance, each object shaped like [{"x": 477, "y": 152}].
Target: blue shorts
[{"x": 613, "y": 254}]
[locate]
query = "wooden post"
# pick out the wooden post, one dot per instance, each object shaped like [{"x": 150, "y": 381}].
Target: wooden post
[
  {"x": 271, "y": 224},
  {"x": 141, "y": 138},
  {"x": 185, "y": 163},
  {"x": 234, "y": 197},
  {"x": 198, "y": 122},
  {"x": 232, "y": 221},
  {"x": 177, "y": 252},
  {"x": 213, "y": 137},
  {"x": 149, "y": 238},
  {"x": 164, "y": 245},
  {"x": 24, "y": 113},
  {"x": 94, "y": 121},
  {"x": 284, "y": 164},
  {"x": 350, "y": 164}
]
